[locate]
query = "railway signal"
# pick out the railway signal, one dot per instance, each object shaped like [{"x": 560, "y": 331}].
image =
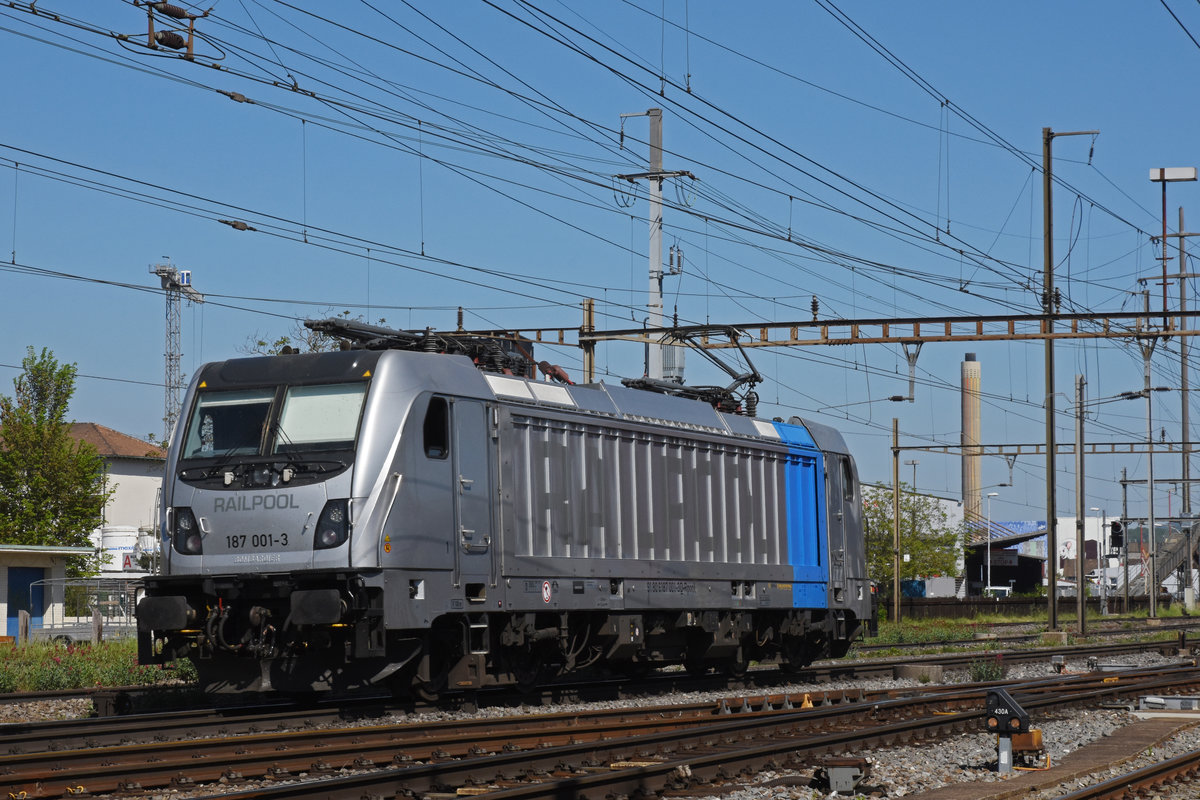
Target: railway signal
[{"x": 1005, "y": 717}]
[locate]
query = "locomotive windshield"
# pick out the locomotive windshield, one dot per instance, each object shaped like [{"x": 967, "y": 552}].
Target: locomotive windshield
[
  {"x": 319, "y": 417},
  {"x": 298, "y": 419},
  {"x": 228, "y": 423}
]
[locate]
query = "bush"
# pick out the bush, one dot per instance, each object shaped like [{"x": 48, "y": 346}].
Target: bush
[
  {"x": 984, "y": 670},
  {"x": 42, "y": 666},
  {"x": 923, "y": 631}
]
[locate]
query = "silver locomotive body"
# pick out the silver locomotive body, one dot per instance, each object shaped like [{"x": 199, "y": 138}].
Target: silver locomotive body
[{"x": 341, "y": 520}]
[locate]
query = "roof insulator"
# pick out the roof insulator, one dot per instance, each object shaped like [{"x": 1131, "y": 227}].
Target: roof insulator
[
  {"x": 170, "y": 39},
  {"x": 170, "y": 10}
]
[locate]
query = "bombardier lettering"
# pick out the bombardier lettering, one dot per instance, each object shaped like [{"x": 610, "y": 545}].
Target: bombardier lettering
[
  {"x": 270, "y": 558},
  {"x": 257, "y": 502}
]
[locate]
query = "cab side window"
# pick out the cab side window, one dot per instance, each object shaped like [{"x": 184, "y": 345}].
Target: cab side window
[
  {"x": 437, "y": 428},
  {"x": 848, "y": 487}
]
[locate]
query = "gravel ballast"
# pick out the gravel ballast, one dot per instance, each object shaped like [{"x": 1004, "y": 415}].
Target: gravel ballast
[{"x": 899, "y": 772}]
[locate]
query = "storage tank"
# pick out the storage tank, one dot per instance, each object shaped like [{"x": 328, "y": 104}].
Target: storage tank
[{"x": 118, "y": 545}]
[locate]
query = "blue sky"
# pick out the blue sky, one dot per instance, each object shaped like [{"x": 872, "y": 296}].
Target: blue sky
[{"x": 440, "y": 155}]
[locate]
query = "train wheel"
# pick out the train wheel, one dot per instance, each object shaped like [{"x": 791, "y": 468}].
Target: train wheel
[
  {"x": 528, "y": 671},
  {"x": 798, "y": 653},
  {"x": 694, "y": 661},
  {"x": 736, "y": 666},
  {"x": 430, "y": 691}
]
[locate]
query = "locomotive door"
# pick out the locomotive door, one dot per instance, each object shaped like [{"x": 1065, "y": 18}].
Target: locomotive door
[
  {"x": 839, "y": 482},
  {"x": 472, "y": 496}
]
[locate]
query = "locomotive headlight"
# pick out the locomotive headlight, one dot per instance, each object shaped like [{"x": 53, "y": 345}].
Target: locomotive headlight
[
  {"x": 333, "y": 526},
  {"x": 186, "y": 536}
]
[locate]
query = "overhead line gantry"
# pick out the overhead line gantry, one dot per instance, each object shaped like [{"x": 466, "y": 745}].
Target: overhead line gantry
[{"x": 882, "y": 330}]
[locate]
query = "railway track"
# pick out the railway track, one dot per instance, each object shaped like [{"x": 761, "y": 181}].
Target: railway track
[
  {"x": 32, "y": 737},
  {"x": 1180, "y": 774},
  {"x": 690, "y": 747},
  {"x": 125, "y": 699},
  {"x": 48, "y": 735}
]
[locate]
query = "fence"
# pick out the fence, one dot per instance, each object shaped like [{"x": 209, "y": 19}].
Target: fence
[
  {"x": 104, "y": 609},
  {"x": 971, "y": 607}
]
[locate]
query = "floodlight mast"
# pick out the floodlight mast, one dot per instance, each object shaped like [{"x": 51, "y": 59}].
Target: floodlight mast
[{"x": 176, "y": 284}]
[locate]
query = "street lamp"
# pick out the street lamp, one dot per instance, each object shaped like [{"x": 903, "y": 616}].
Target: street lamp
[
  {"x": 913, "y": 463},
  {"x": 988, "y": 588}
]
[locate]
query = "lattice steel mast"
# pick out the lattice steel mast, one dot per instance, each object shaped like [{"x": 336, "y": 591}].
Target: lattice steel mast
[{"x": 176, "y": 283}]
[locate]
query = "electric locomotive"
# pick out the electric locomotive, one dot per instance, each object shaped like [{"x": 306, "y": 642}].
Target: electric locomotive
[{"x": 419, "y": 512}]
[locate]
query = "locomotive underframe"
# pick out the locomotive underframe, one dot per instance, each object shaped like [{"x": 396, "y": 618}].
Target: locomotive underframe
[{"x": 327, "y": 631}]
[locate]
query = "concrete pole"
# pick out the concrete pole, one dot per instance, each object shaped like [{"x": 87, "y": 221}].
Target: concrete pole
[
  {"x": 1080, "y": 583},
  {"x": 1125, "y": 546},
  {"x": 1048, "y": 137},
  {"x": 1048, "y": 309},
  {"x": 1189, "y": 591},
  {"x": 1183, "y": 383},
  {"x": 1165, "y": 256},
  {"x": 589, "y": 348},
  {"x": 895, "y": 519},
  {"x": 971, "y": 438},
  {"x": 987, "y": 589},
  {"x": 1152, "y": 582},
  {"x": 654, "y": 305},
  {"x": 1102, "y": 559}
]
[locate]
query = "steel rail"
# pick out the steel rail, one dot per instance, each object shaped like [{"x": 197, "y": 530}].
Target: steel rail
[
  {"x": 29, "y": 737},
  {"x": 691, "y": 761},
  {"x": 547, "y": 748},
  {"x": 1141, "y": 781}
]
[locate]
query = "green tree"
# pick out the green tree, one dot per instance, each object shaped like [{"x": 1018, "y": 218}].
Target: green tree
[
  {"x": 52, "y": 487},
  {"x": 933, "y": 545}
]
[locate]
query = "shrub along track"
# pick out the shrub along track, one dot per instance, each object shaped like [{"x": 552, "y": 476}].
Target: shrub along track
[{"x": 690, "y": 749}]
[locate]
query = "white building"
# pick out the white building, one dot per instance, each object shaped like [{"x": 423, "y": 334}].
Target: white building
[
  {"x": 135, "y": 472},
  {"x": 33, "y": 577}
]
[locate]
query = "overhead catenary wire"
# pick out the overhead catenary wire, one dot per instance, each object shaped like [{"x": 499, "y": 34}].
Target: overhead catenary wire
[{"x": 709, "y": 226}]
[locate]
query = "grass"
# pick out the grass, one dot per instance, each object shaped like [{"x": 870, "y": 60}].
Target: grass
[
  {"x": 912, "y": 632},
  {"x": 985, "y": 670},
  {"x": 43, "y": 666},
  {"x": 922, "y": 631}
]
